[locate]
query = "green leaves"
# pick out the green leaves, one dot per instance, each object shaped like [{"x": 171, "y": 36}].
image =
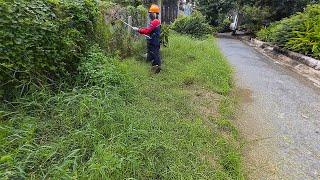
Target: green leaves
[
  {"x": 251, "y": 21},
  {"x": 215, "y": 10},
  {"x": 194, "y": 25},
  {"x": 300, "y": 33},
  {"x": 307, "y": 41},
  {"x": 42, "y": 40},
  {"x": 165, "y": 31}
]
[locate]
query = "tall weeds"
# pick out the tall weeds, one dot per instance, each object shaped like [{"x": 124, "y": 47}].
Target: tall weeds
[{"x": 120, "y": 122}]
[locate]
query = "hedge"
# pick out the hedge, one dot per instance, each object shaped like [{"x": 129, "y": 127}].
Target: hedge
[{"x": 299, "y": 33}]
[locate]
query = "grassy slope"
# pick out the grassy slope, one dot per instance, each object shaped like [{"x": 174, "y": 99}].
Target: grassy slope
[{"x": 164, "y": 128}]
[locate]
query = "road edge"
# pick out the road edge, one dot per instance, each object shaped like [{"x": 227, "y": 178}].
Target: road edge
[{"x": 303, "y": 65}]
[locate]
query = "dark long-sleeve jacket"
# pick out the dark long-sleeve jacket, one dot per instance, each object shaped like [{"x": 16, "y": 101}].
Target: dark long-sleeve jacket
[{"x": 154, "y": 31}]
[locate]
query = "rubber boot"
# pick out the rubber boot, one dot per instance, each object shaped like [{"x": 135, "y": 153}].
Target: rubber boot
[{"x": 156, "y": 69}]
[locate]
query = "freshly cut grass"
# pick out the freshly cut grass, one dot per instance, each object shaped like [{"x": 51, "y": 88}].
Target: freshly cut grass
[{"x": 130, "y": 125}]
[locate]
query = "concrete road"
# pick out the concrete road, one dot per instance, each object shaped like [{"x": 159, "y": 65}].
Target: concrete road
[{"x": 279, "y": 117}]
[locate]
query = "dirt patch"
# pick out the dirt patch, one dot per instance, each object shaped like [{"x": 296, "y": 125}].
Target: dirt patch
[
  {"x": 257, "y": 160},
  {"x": 245, "y": 95},
  {"x": 210, "y": 159},
  {"x": 207, "y": 102}
]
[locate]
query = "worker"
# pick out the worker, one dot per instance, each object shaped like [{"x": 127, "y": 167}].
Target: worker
[{"x": 153, "y": 32}]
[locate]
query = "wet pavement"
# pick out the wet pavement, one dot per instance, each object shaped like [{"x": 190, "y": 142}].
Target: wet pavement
[{"x": 279, "y": 117}]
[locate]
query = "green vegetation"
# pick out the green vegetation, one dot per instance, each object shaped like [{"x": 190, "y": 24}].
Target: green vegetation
[
  {"x": 43, "y": 41},
  {"x": 216, "y": 10},
  {"x": 194, "y": 25},
  {"x": 165, "y": 32},
  {"x": 122, "y": 122},
  {"x": 256, "y": 13},
  {"x": 254, "y": 18},
  {"x": 299, "y": 33},
  {"x": 223, "y": 26},
  {"x": 76, "y": 102}
]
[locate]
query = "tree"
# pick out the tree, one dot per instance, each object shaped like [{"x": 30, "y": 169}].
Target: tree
[
  {"x": 135, "y": 2},
  {"x": 280, "y": 8},
  {"x": 215, "y": 10}
]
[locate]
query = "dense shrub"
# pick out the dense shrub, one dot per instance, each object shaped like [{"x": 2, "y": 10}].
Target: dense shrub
[
  {"x": 280, "y": 32},
  {"x": 215, "y": 10},
  {"x": 42, "y": 41},
  {"x": 299, "y": 33},
  {"x": 224, "y": 26},
  {"x": 133, "y": 2},
  {"x": 119, "y": 41},
  {"x": 194, "y": 25},
  {"x": 254, "y": 18}
]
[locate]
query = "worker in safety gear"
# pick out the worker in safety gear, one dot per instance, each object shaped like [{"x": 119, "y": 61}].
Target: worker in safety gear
[{"x": 153, "y": 41}]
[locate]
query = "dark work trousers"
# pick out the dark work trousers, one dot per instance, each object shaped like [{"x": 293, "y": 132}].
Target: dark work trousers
[{"x": 154, "y": 54}]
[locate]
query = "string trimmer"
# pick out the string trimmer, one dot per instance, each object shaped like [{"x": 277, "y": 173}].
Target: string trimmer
[{"x": 133, "y": 28}]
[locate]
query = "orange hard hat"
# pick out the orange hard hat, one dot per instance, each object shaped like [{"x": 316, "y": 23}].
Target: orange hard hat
[{"x": 154, "y": 9}]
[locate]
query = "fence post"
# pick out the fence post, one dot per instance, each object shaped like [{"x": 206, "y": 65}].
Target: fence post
[
  {"x": 160, "y": 15},
  {"x": 130, "y": 23}
]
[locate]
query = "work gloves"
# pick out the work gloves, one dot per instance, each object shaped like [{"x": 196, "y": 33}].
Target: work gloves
[{"x": 135, "y": 28}]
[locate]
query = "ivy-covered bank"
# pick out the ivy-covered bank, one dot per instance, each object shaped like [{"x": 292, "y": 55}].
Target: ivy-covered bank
[{"x": 43, "y": 41}]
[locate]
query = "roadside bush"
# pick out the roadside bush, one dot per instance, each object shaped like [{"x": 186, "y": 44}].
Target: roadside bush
[
  {"x": 139, "y": 15},
  {"x": 298, "y": 33},
  {"x": 224, "y": 26},
  {"x": 194, "y": 25},
  {"x": 280, "y": 32},
  {"x": 113, "y": 35},
  {"x": 254, "y": 18},
  {"x": 42, "y": 41}
]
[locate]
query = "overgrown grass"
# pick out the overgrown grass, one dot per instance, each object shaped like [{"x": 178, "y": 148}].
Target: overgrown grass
[{"x": 125, "y": 122}]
